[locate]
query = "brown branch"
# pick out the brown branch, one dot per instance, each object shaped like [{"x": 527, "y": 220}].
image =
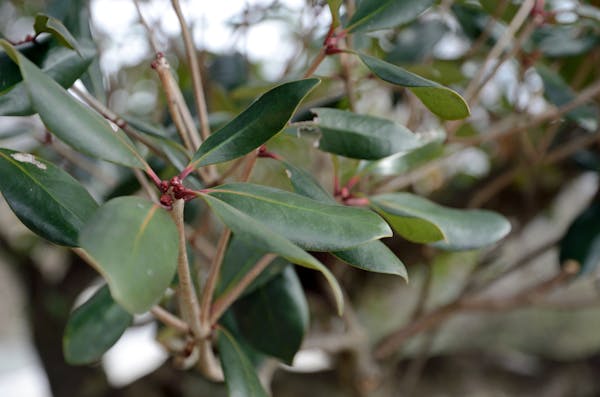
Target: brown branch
[
  {"x": 169, "y": 319},
  {"x": 192, "y": 58},
  {"x": 224, "y": 302}
]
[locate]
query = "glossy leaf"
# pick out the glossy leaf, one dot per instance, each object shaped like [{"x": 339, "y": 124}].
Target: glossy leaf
[
  {"x": 373, "y": 256},
  {"x": 361, "y": 137},
  {"x": 133, "y": 243},
  {"x": 239, "y": 258},
  {"x": 383, "y": 14},
  {"x": 420, "y": 220},
  {"x": 259, "y": 235},
  {"x": 274, "y": 318},
  {"x": 310, "y": 224},
  {"x": 47, "y": 24},
  {"x": 59, "y": 63},
  {"x": 267, "y": 116},
  {"x": 240, "y": 374},
  {"x": 70, "y": 120},
  {"x": 306, "y": 185},
  {"x": 440, "y": 100},
  {"x": 35, "y": 51},
  {"x": 45, "y": 198},
  {"x": 581, "y": 242},
  {"x": 404, "y": 162},
  {"x": 93, "y": 328}
]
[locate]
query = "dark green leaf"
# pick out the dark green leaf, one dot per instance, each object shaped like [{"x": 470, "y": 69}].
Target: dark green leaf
[
  {"x": 47, "y": 24},
  {"x": 310, "y": 224},
  {"x": 417, "y": 41},
  {"x": 274, "y": 318},
  {"x": 582, "y": 240},
  {"x": 442, "y": 101},
  {"x": 93, "y": 328},
  {"x": 373, "y": 256},
  {"x": 267, "y": 116},
  {"x": 35, "y": 51},
  {"x": 404, "y": 162},
  {"x": 306, "y": 185},
  {"x": 258, "y": 235},
  {"x": 361, "y": 137},
  {"x": 134, "y": 246},
  {"x": 45, "y": 198},
  {"x": 74, "y": 123},
  {"x": 239, "y": 258},
  {"x": 383, "y": 14},
  {"x": 240, "y": 375},
  {"x": 420, "y": 220},
  {"x": 59, "y": 63}
]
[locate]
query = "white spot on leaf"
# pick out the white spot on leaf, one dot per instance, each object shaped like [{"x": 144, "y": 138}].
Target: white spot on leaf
[{"x": 28, "y": 158}]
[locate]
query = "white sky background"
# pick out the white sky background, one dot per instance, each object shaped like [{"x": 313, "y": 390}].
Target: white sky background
[{"x": 268, "y": 41}]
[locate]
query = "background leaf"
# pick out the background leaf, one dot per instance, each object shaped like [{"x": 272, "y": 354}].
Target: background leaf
[
  {"x": 47, "y": 24},
  {"x": 383, "y": 14},
  {"x": 361, "y": 137},
  {"x": 310, "y": 224},
  {"x": 67, "y": 118},
  {"x": 240, "y": 375},
  {"x": 61, "y": 64},
  {"x": 268, "y": 115},
  {"x": 420, "y": 220},
  {"x": 255, "y": 233},
  {"x": 581, "y": 242},
  {"x": 440, "y": 100},
  {"x": 274, "y": 318},
  {"x": 45, "y": 198},
  {"x": 93, "y": 328},
  {"x": 133, "y": 243}
]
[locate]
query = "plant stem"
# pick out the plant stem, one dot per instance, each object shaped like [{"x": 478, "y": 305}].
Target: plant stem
[
  {"x": 225, "y": 301},
  {"x": 170, "y": 319},
  {"x": 189, "y": 301},
  {"x": 211, "y": 283},
  {"x": 315, "y": 63},
  {"x": 196, "y": 75}
]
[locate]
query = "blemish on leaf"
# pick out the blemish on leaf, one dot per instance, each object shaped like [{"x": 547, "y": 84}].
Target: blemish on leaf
[{"x": 28, "y": 158}]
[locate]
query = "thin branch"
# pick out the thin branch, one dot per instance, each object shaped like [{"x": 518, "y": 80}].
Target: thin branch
[
  {"x": 192, "y": 58},
  {"x": 211, "y": 283},
  {"x": 433, "y": 319},
  {"x": 225, "y": 301},
  {"x": 493, "y": 187},
  {"x": 146, "y": 187},
  {"x": 151, "y": 38},
  {"x": 170, "y": 319},
  {"x": 189, "y": 300},
  {"x": 315, "y": 63}
]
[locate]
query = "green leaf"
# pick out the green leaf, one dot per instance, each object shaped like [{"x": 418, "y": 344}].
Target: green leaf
[
  {"x": 306, "y": 185},
  {"x": 308, "y": 223},
  {"x": 581, "y": 242},
  {"x": 45, "y": 198},
  {"x": 267, "y": 116},
  {"x": 239, "y": 259},
  {"x": 93, "y": 328},
  {"x": 47, "y": 24},
  {"x": 240, "y": 375},
  {"x": 133, "y": 243},
  {"x": 383, "y": 14},
  {"x": 59, "y": 63},
  {"x": 440, "y": 100},
  {"x": 67, "y": 118},
  {"x": 34, "y": 50},
  {"x": 404, "y": 162},
  {"x": 373, "y": 256},
  {"x": 274, "y": 318},
  {"x": 334, "y": 8},
  {"x": 260, "y": 236},
  {"x": 420, "y": 220},
  {"x": 361, "y": 137}
]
